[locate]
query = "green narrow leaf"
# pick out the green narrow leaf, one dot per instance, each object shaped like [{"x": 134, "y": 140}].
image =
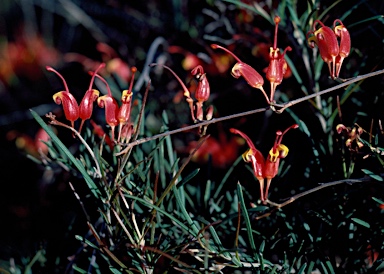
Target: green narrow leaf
[
  {"x": 246, "y": 217},
  {"x": 361, "y": 222},
  {"x": 372, "y": 175},
  {"x": 377, "y": 200},
  {"x": 92, "y": 186},
  {"x": 302, "y": 268},
  {"x": 330, "y": 267},
  {"x": 187, "y": 178}
]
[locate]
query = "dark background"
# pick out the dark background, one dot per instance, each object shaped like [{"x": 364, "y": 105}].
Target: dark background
[{"x": 37, "y": 208}]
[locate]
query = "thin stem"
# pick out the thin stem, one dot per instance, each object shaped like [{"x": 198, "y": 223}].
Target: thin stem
[
  {"x": 237, "y": 115},
  {"x": 346, "y": 83},
  {"x": 203, "y": 123},
  {"x": 302, "y": 194},
  {"x": 57, "y": 123}
]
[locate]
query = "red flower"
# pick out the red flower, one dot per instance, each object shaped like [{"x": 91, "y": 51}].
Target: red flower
[
  {"x": 70, "y": 106},
  {"x": 265, "y": 169},
  {"x": 254, "y": 156},
  {"x": 202, "y": 91},
  {"x": 326, "y": 41},
  {"x": 277, "y": 64},
  {"x": 86, "y": 105},
  {"x": 124, "y": 114},
  {"x": 345, "y": 43},
  {"x": 277, "y": 152},
  {"x": 201, "y": 94},
  {"x": 111, "y": 108},
  {"x": 253, "y": 78}
]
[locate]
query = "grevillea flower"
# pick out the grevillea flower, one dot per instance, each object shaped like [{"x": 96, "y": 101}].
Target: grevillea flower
[
  {"x": 326, "y": 41},
  {"x": 251, "y": 76},
  {"x": 70, "y": 106},
  {"x": 277, "y": 152},
  {"x": 277, "y": 64},
  {"x": 111, "y": 108},
  {"x": 202, "y": 91},
  {"x": 124, "y": 114},
  {"x": 254, "y": 156},
  {"x": 86, "y": 105},
  {"x": 345, "y": 43},
  {"x": 265, "y": 169}
]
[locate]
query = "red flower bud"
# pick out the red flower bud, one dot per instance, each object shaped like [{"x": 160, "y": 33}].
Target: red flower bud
[
  {"x": 70, "y": 106},
  {"x": 203, "y": 90},
  {"x": 251, "y": 76}
]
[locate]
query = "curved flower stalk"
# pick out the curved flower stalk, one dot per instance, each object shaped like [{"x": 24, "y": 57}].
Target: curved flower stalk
[
  {"x": 65, "y": 98},
  {"x": 86, "y": 105},
  {"x": 326, "y": 40},
  {"x": 265, "y": 169},
  {"x": 277, "y": 64},
  {"x": 251, "y": 76},
  {"x": 111, "y": 108}
]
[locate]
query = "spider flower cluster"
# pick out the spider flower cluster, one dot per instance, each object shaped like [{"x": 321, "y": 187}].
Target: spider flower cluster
[
  {"x": 331, "y": 50},
  {"x": 114, "y": 115},
  {"x": 275, "y": 72},
  {"x": 269, "y": 167}
]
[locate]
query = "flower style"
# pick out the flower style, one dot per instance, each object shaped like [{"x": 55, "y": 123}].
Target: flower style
[
  {"x": 253, "y": 78},
  {"x": 124, "y": 114},
  {"x": 277, "y": 64},
  {"x": 345, "y": 43},
  {"x": 265, "y": 169},
  {"x": 111, "y": 107},
  {"x": 70, "y": 106},
  {"x": 86, "y": 105}
]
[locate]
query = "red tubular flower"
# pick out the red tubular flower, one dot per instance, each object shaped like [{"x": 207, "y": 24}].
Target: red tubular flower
[
  {"x": 111, "y": 108},
  {"x": 202, "y": 91},
  {"x": 254, "y": 156},
  {"x": 86, "y": 105},
  {"x": 124, "y": 114},
  {"x": 277, "y": 152},
  {"x": 277, "y": 64},
  {"x": 345, "y": 43},
  {"x": 326, "y": 41},
  {"x": 253, "y": 78},
  {"x": 70, "y": 106}
]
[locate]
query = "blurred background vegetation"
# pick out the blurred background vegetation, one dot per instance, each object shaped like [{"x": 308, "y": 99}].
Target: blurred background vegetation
[{"x": 38, "y": 209}]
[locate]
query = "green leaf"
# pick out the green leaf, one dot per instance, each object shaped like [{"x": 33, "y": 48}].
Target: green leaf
[
  {"x": 372, "y": 175},
  {"x": 378, "y": 200},
  {"x": 361, "y": 222},
  {"x": 246, "y": 217}
]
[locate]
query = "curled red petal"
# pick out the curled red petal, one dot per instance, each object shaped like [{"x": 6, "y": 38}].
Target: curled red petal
[{"x": 70, "y": 107}]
